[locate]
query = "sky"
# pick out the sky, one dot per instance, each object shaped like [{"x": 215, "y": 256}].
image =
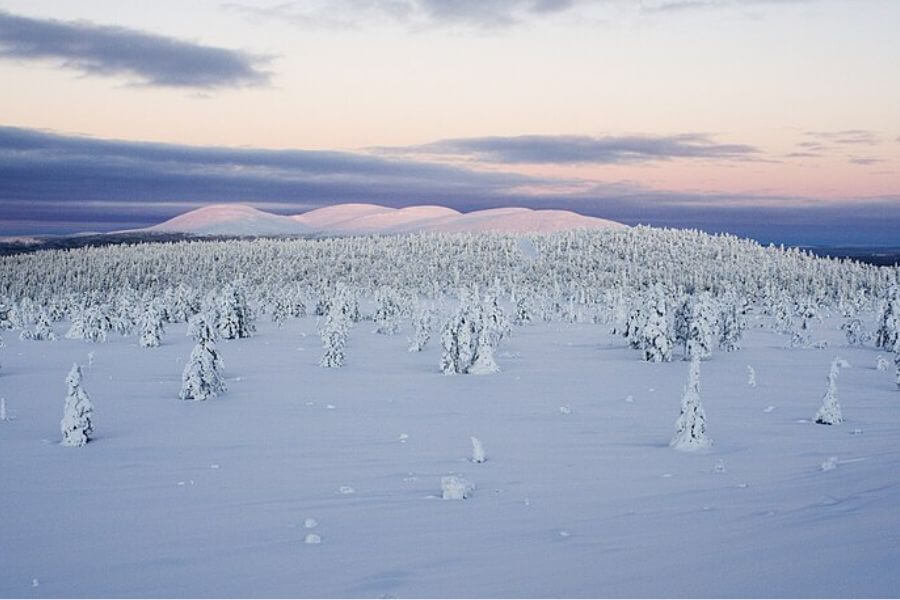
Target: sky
[{"x": 774, "y": 119}]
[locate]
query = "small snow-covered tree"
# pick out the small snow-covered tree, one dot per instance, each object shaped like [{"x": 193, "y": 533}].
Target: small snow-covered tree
[
  {"x": 77, "y": 422},
  {"x": 656, "y": 333},
  {"x": 484, "y": 363},
  {"x": 202, "y": 377},
  {"x": 333, "y": 331},
  {"x": 751, "y": 376},
  {"x": 690, "y": 428},
  {"x": 92, "y": 323},
  {"x": 152, "y": 327},
  {"x": 830, "y": 411},
  {"x": 523, "y": 312},
  {"x": 42, "y": 329},
  {"x": 806, "y": 310},
  {"x": 634, "y": 324},
  {"x": 853, "y": 329},
  {"x": 732, "y": 324},
  {"x": 887, "y": 333},
  {"x": 3, "y": 415},
  {"x": 235, "y": 319},
  {"x": 387, "y": 312},
  {"x": 459, "y": 337},
  {"x": 702, "y": 327},
  {"x": 423, "y": 318}
]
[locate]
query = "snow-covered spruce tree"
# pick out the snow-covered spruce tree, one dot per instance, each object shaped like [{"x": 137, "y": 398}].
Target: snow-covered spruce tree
[
  {"x": 888, "y": 329},
  {"x": 77, "y": 422},
  {"x": 484, "y": 363},
  {"x": 92, "y": 323},
  {"x": 333, "y": 330},
  {"x": 681, "y": 319},
  {"x": 152, "y": 327},
  {"x": 656, "y": 333},
  {"x": 387, "y": 311},
  {"x": 423, "y": 318},
  {"x": 523, "y": 311},
  {"x": 806, "y": 311},
  {"x": 3, "y": 415},
  {"x": 637, "y": 318},
  {"x": 494, "y": 319},
  {"x": 751, "y": 376},
  {"x": 853, "y": 329},
  {"x": 202, "y": 377},
  {"x": 235, "y": 317},
  {"x": 702, "y": 327},
  {"x": 477, "y": 451},
  {"x": 42, "y": 329},
  {"x": 690, "y": 428},
  {"x": 732, "y": 324},
  {"x": 459, "y": 336},
  {"x": 830, "y": 411}
]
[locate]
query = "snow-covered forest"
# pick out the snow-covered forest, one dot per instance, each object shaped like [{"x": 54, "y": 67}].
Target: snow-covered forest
[{"x": 615, "y": 412}]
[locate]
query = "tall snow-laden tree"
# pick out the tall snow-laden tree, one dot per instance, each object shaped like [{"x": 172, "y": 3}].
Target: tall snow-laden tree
[
  {"x": 807, "y": 312},
  {"x": 830, "y": 411},
  {"x": 853, "y": 329},
  {"x": 201, "y": 378},
  {"x": 702, "y": 327},
  {"x": 897, "y": 365},
  {"x": 77, "y": 423},
  {"x": 887, "y": 333},
  {"x": 234, "y": 314},
  {"x": 152, "y": 327},
  {"x": 523, "y": 311},
  {"x": 423, "y": 318},
  {"x": 732, "y": 324},
  {"x": 656, "y": 332},
  {"x": 459, "y": 335},
  {"x": 690, "y": 427},
  {"x": 387, "y": 311},
  {"x": 333, "y": 331}
]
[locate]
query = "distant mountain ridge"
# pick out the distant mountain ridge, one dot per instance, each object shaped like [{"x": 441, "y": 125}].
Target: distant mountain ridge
[{"x": 347, "y": 219}]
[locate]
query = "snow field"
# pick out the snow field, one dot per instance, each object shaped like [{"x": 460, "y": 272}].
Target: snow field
[{"x": 214, "y": 498}]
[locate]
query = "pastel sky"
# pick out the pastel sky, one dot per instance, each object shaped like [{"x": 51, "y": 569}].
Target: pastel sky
[{"x": 777, "y": 119}]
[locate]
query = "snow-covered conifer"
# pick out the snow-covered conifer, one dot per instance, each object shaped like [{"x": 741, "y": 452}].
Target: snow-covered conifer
[
  {"x": 830, "y": 412},
  {"x": 423, "y": 318},
  {"x": 887, "y": 333},
  {"x": 333, "y": 331},
  {"x": 853, "y": 329},
  {"x": 90, "y": 323},
  {"x": 202, "y": 377},
  {"x": 484, "y": 363},
  {"x": 523, "y": 312},
  {"x": 387, "y": 312},
  {"x": 235, "y": 319},
  {"x": 3, "y": 415},
  {"x": 897, "y": 367},
  {"x": 806, "y": 311},
  {"x": 42, "y": 329},
  {"x": 751, "y": 376},
  {"x": 656, "y": 332},
  {"x": 152, "y": 327},
  {"x": 732, "y": 324},
  {"x": 634, "y": 324},
  {"x": 690, "y": 428},
  {"x": 77, "y": 422},
  {"x": 702, "y": 327}
]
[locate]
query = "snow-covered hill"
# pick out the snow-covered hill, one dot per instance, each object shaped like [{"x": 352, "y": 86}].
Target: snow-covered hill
[
  {"x": 230, "y": 219},
  {"x": 238, "y": 219}
]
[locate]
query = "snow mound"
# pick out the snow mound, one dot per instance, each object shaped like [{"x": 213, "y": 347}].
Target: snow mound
[
  {"x": 358, "y": 219},
  {"x": 456, "y": 488},
  {"x": 230, "y": 219}
]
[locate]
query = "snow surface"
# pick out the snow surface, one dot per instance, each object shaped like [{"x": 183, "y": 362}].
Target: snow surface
[
  {"x": 217, "y": 498},
  {"x": 242, "y": 220}
]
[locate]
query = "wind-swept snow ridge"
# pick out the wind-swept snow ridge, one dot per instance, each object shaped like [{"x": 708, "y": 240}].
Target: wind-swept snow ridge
[{"x": 238, "y": 219}]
